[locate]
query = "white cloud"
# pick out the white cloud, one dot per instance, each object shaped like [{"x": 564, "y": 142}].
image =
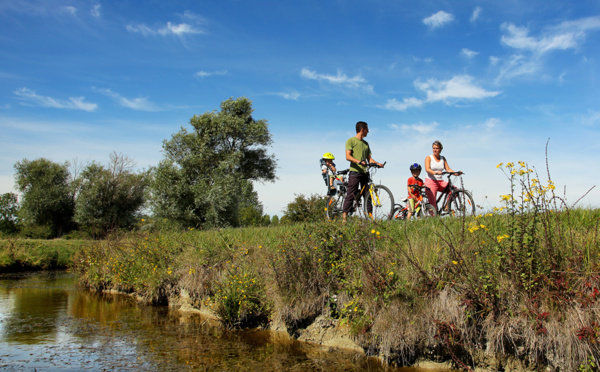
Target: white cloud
[
  {"x": 293, "y": 95},
  {"x": 475, "y": 15},
  {"x": 355, "y": 82},
  {"x": 418, "y": 128},
  {"x": 179, "y": 29},
  {"x": 531, "y": 49},
  {"x": 494, "y": 60},
  {"x": 203, "y": 74},
  {"x": 395, "y": 105},
  {"x": 169, "y": 29},
  {"x": 73, "y": 103},
  {"x": 468, "y": 53},
  {"x": 70, "y": 10},
  {"x": 138, "y": 104},
  {"x": 458, "y": 88},
  {"x": 491, "y": 123},
  {"x": 438, "y": 19},
  {"x": 566, "y": 35},
  {"x": 592, "y": 119},
  {"x": 96, "y": 10},
  {"x": 518, "y": 65}
]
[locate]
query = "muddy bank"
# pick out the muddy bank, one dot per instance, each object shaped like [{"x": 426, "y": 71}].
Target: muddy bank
[{"x": 334, "y": 335}]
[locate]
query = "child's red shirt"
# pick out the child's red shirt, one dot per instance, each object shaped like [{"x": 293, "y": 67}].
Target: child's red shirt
[{"x": 414, "y": 192}]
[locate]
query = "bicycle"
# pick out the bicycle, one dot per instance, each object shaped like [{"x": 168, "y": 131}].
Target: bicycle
[
  {"x": 379, "y": 197},
  {"x": 455, "y": 201},
  {"x": 335, "y": 202},
  {"x": 422, "y": 207}
]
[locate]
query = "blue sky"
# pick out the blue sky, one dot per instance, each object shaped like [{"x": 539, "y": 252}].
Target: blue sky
[{"x": 492, "y": 80}]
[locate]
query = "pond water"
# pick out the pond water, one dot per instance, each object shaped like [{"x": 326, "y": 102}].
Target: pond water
[{"x": 47, "y": 324}]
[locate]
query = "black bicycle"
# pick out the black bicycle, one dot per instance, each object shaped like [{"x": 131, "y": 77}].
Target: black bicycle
[{"x": 454, "y": 201}]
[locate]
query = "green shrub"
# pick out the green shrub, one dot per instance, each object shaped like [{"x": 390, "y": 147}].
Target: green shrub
[{"x": 36, "y": 232}]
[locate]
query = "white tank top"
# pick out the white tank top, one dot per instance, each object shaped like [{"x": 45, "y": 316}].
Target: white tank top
[{"x": 435, "y": 167}]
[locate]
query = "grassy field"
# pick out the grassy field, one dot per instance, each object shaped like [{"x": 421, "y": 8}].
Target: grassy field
[
  {"x": 33, "y": 254},
  {"x": 520, "y": 285}
]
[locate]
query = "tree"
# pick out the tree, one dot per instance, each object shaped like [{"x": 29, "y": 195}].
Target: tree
[
  {"x": 9, "y": 211},
  {"x": 110, "y": 197},
  {"x": 47, "y": 196},
  {"x": 204, "y": 172},
  {"x": 250, "y": 208},
  {"x": 305, "y": 209}
]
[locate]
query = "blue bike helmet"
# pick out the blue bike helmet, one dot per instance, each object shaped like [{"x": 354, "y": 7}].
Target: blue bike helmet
[{"x": 415, "y": 166}]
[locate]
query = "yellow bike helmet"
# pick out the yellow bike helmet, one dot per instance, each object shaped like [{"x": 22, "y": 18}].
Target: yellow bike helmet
[{"x": 328, "y": 156}]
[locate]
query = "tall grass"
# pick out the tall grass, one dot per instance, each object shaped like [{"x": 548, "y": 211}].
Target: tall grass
[
  {"x": 519, "y": 283},
  {"x": 35, "y": 254}
]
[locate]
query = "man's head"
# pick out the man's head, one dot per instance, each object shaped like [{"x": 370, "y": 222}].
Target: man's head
[{"x": 361, "y": 126}]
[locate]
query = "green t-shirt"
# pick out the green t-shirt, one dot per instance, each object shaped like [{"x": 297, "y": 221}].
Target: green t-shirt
[{"x": 361, "y": 151}]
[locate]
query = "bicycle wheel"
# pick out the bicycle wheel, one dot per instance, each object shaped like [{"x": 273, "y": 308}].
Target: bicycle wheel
[
  {"x": 334, "y": 207},
  {"x": 427, "y": 210},
  {"x": 462, "y": 203},
  {"x": 383, "y": 204},
  {"x": 400, "y": 212}
]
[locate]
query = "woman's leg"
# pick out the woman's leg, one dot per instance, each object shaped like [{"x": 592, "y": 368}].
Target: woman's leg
[{"x": 432, "y": 189}]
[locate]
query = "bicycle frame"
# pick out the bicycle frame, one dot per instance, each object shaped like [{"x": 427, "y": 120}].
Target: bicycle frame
[
  {"x": 374, "y": 207},
  {"x": 449, "y": 194}
]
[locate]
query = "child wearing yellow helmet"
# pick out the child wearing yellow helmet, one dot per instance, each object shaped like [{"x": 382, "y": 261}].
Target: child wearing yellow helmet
[{"x": 328, "y": 170}]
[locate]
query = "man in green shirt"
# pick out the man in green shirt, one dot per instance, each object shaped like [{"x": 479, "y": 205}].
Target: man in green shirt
[{"x": 358, "y": 154}]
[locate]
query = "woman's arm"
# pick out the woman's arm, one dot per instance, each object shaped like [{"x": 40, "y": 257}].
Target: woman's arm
[{"x": 428, "y": 166}]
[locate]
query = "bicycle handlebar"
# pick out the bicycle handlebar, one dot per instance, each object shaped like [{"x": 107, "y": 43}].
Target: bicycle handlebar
[
  {"x": 374, "y": 165},
  {"x": 444, "y": 173}
]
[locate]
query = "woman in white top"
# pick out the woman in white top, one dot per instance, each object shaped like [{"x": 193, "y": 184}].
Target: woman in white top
[{"x": 435, "y": 164}]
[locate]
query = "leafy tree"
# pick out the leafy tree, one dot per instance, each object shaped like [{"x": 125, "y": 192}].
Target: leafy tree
[
  {"x": 9, "y": 212},
  {"x": 205, "y": 171},
  {"x": 275, "y": 220},
  {"x": 110, "y": 197},
  {"x": 250, "y": 208},
  {"x": 47, "y": 196},
  {"x": 305, "y": 209}
]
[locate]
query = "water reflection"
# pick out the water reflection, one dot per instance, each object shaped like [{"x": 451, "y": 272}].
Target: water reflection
[{"x": 46, "y": 324}]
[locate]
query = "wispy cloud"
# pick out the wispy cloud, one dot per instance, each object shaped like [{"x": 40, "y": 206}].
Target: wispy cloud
[
  {"x": 531, "y": 49},
  {"x": 438, "y": 19},
  {"x": 475, "y": 15},
  {"x": 95, "y": 12},
  {"x": 28, "y": 96},
  {"x": 395, "y": 105},
  {"x": 292, "y": 95},
  {"x": 468, "y": 53},
  {"x": 190, "y": 25},
  {"x": 71, "y": 10},
  {"x": 138, "y": 104},
  {"x": 458, "y": 88},
  {"x": 419, "y": 128},
  {"x": 180, "y": 29},
  {"x": 567, "y": 35},
  {"x": 203, "y": 74},
  {"x": 353, "y": 82},
  {"x": 491, "y": 123}
]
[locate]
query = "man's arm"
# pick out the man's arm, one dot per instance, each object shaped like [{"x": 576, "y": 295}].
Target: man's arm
[{"x": 350, "y": 158}]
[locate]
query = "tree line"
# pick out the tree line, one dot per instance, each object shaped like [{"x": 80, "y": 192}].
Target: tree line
[{"x": 204, "y": 180}]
